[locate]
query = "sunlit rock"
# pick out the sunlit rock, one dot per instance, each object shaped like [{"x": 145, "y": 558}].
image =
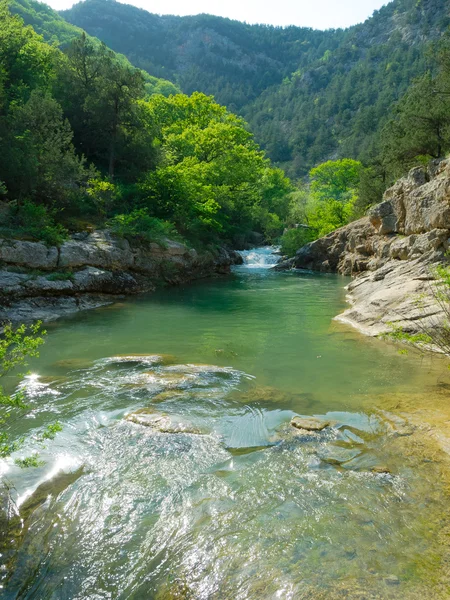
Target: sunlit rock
[
  {"x": 160, "y": 422},
  {"x": 309, "y": 424}
]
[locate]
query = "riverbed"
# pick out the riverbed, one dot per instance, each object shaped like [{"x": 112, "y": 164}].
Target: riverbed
[{"x": 236, "y": 503}]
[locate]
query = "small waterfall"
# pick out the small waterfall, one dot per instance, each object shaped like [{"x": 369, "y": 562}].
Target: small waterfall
[{"x": 260, "y": 258}]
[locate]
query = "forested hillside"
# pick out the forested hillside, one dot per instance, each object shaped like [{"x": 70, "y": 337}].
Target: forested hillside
[
  {"x": 85, "y": 142},
  {"x": 308, "y": 95}
]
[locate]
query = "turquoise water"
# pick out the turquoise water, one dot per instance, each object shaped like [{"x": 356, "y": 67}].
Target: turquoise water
[{"x": 237, "y": 506}]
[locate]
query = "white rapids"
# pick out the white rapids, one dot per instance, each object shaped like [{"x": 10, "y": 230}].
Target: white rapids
[{"x": 260, "y": 258}]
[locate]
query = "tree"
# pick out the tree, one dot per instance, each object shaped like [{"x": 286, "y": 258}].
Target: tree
[
  {"x": 214, "y": 178},
  {"x": 421, "y": 126},
  {"x": 335, "y": 180},
  {"x": 42, "y": 160},
  {"x": 99, "y": 92},
  {"x": 16, "y": 346}
]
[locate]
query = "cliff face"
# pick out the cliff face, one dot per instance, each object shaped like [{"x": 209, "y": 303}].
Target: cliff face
[
  {"x": 391, "y": 252},
  {"x": 91, "y": 270}
]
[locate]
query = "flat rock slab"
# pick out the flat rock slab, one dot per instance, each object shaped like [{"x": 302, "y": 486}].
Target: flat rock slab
[
  {"x": 160, "y": 422},
  {"x": 309, "y": 424}
]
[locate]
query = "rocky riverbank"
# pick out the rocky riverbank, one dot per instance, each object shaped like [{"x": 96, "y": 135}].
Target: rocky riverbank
[
  {"x": 391, "y": 253},
  {"x": 92, "y": 270}
]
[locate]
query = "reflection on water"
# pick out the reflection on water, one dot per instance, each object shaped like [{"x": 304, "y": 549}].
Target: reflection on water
[{"x": 239, "y": 504}]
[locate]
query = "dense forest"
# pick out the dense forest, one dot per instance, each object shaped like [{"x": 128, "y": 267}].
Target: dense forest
[
  {"x": 86, "y": 140},
  {"x": 308, "y": 95},
  {"x": 91, "y": 138}
]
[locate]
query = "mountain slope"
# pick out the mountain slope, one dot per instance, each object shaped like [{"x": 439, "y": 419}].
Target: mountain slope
[
  {"x": 56, "y": 30},
  {"x": 307, "y": 94},
  {"x": 232, "y": 60}
]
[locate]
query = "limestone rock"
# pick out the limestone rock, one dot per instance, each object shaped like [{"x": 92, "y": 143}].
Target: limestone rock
[
  {"x": 34, "y": 255},
  {"x": 309, "y": 424},
  {"x": 160, "y": 422},
  {"x": 98, "y": 249},
  {"x": 392, "y": 253},
  {"x": 90, "y": 264}
]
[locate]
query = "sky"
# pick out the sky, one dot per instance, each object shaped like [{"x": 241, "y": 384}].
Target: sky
[{"x": 319, "y": 14}]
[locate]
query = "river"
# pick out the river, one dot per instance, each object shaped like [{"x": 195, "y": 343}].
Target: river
[{"x": 244, "y": 508}]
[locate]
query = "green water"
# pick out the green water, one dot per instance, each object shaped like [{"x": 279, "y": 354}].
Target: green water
[{"x": 247, "y": 509}]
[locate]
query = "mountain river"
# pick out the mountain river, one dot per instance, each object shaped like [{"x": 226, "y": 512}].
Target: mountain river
[{"x": 222, "y": 498}]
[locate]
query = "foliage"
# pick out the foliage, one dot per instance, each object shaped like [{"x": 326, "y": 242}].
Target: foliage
[
  {"x": 16, "y": 346},
  {"x": 213, "y": 179},
  {"x": 327, "y": 204},
  {"x": 308, "y": 95},
  {"x": 139, "y": 224},
  {"x": 294, "y": 239},
  {"x": 85, "y": 134},
  {"x": 36, "y": 221},
  {"x": 335, "y": 180}
]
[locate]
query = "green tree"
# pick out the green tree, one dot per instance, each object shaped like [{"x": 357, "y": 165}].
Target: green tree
[
  {"x": 421, "y": 125},
  {"x": 335, "y": 180},
  {"x": 16, "y": 346},
  {"x": 214, "y": 179},
  {"x": 99, "y": 93}
]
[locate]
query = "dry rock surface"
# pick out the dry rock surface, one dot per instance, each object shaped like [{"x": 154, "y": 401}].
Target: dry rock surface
[
  {"x": 309, "y": 424},
  {"x": 92, "y": 270},
  {"x": 391, "y": 253}
]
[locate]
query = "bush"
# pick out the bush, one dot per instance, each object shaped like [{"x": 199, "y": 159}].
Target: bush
[
  {"x": 139, "y": 224},
  {"x": 38, "y": 222},
  {"x": 294, "y": 239}
]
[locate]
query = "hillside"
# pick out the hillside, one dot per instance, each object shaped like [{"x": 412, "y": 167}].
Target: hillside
[
  {"x": 232, "y": 60},
  {"x": 308, "y": 95},
  {"x": 56, "y": 30}
]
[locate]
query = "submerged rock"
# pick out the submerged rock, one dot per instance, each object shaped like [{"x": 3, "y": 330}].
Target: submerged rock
[
  {"x": 73, "y": 363},
  {"x": 147, "y": 359},
  {"x": 335, "y": 455},
  {"x": 309, "y": 424},
  {"x": 381, "y": 470},
  {"x": 160, "y": 422}
]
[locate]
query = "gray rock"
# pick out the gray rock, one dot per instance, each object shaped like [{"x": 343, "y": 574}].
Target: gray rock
[
  {"x": 99, "y": 264},
  {"x": 99, "y": 249},
  {"x": 33, "y": 255}
]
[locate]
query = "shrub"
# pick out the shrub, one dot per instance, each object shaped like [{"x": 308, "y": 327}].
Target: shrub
[
  {"x": 38, "y": 222},
  {"x": 103, "y": 194},
  {"x": 294, "y": 239},
  {"x": 139, "y": 224}
]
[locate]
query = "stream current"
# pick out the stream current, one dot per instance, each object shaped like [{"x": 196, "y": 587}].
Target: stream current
[{"x": 233, "y": 503}]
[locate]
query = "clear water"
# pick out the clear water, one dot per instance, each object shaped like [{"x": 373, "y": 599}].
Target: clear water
[{"x": 245, "y": 509}]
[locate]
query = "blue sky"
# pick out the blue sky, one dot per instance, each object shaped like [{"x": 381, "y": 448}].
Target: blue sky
[{"x": 320, "y": 14}]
